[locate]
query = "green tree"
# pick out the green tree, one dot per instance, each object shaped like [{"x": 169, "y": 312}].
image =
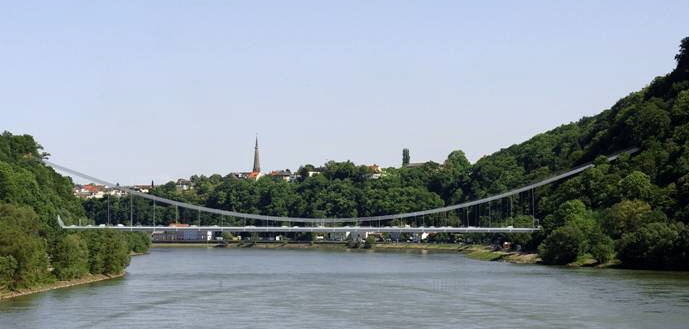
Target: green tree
[
  {"x": 8, "y": 267},
  {"x": 602, "y": 247},
  {"x": 19, "y": 238},
  {"x": 566, "y": 212},
  {"x": 97, "y": 250},
  {"x": 405, "y": 157},
  {"x": 563, "y": 245},
  {"x": 649, "y": 247},
  {"x": 370, "y": 242},
  {"x": 625, "y": 216},
  {"x": 117, "y": 258},
  {"x": 138, "y": 242},
  {"x": 636, "y": 185},
  {"x": 70, "y": 259},
  {"x": 682, "y": 57},
  {"x": 108, "y": 251},
  {"x": 304, "y": 170}
]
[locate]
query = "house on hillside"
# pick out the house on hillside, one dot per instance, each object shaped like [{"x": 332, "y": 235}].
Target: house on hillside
[
  {"x": 183, "y": 184},
  {"x": 376, "y": 171},
  {"x": 285, "y": 175},
  {"x": 89, "y": 191}
]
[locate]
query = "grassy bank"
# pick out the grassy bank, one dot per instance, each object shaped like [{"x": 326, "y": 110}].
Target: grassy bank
[
  {"x": 419, "y": 246},
  {"x": 5, "y": 294},
  {"x": 482, "y": 252}
]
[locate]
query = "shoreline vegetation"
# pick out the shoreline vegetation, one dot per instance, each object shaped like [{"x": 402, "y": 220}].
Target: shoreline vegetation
[
  {"x": 35, "y": 253},
  {"x": 9, "y": 294},
  {"x": 89, "y": 278},
  {"x": 473, "y": 251}
]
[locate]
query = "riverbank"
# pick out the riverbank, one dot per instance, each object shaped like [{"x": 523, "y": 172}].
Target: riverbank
[
  {"x": 58, "y": 285},
  {"x": 315, "y": 245},
  {"x": 479, "y": 252},
  {"x": 441, "y": 247},
  {"x": 264, "y": 245}
]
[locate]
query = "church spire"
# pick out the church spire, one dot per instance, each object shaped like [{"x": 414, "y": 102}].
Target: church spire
[{"x": 257, "y": 164}]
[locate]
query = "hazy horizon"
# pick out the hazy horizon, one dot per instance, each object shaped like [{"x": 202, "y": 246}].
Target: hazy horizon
[{"x": 133, "y": 92}]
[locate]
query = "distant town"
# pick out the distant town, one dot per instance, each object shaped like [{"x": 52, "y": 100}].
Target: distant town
[
  {"x": 169, "y": 232},
  {"x": 97, "y": 191}
]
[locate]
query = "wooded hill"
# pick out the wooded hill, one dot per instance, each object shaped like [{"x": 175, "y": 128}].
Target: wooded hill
[{"x": 34, "y": 250}]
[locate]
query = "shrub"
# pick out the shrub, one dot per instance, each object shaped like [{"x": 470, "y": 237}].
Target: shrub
[
  {"x": 602, "y": 247},
  {"x": 626, "y": 216},
  {"x": 138, "y": 242},
  {"x": 20, "y": 239},
  {"x": 8, "y": 266},
  {"x": 108, "y": 251},
  {"x": 562, "y": 246},
  {"x": 370, "y": 242},
  {"x": 651, "y": 246},
  {"x": 71, "y": 258}
]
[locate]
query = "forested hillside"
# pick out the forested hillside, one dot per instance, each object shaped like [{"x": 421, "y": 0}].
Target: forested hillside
[
  {"x": 635, "y": 206},
  {"x": 634, "y": 209},
  {"x": 33, "y": 248},
  {"x": 25, "y": 181}
]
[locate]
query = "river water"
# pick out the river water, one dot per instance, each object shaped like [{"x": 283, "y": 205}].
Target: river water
[{"x": 267, "y": 288}]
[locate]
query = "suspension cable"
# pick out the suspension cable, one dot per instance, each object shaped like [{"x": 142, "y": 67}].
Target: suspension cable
[{"x": 332, "y": 220}]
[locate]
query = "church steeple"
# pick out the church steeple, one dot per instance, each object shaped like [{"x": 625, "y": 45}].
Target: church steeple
[{"x": 257, "y": 164}]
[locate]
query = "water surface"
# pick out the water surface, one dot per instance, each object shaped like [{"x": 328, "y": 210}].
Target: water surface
[{"x": 263, "y": 288}]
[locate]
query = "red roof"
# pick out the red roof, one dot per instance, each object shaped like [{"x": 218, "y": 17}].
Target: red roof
[{"x": 91, "y": 188}]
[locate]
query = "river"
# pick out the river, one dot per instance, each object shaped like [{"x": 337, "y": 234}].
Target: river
[{"x": 268, "y": 288}]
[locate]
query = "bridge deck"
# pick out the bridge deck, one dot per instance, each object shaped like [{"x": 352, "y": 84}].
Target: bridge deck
[{"x": 318, "y": 229}]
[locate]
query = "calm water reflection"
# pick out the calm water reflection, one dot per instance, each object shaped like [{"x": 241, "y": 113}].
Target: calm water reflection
[{"x": 256, "y": 288}]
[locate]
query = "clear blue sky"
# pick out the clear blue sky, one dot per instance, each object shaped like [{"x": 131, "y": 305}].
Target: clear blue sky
[{"x": 131, "y": 91}]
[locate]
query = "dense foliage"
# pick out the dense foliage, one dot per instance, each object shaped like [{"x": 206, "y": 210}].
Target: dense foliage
[
  {"x": 108, "y": 251},
  {"x": 33, "y": 248},
  {"x": 26, "y": 257},
  {"x": 138, "y": 242},
  {"x": 342, "y": 190}
]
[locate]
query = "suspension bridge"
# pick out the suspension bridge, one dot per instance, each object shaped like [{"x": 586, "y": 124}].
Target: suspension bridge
[{"x": 410, "y": 222}]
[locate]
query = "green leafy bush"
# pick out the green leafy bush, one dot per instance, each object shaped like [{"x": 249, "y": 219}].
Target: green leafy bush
[
  {"x": 8, "y": 266},
  {"x": 70, "y": 259},
  {"x": 20, "y": 238},
  {"x": 563, "y": 245}
]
